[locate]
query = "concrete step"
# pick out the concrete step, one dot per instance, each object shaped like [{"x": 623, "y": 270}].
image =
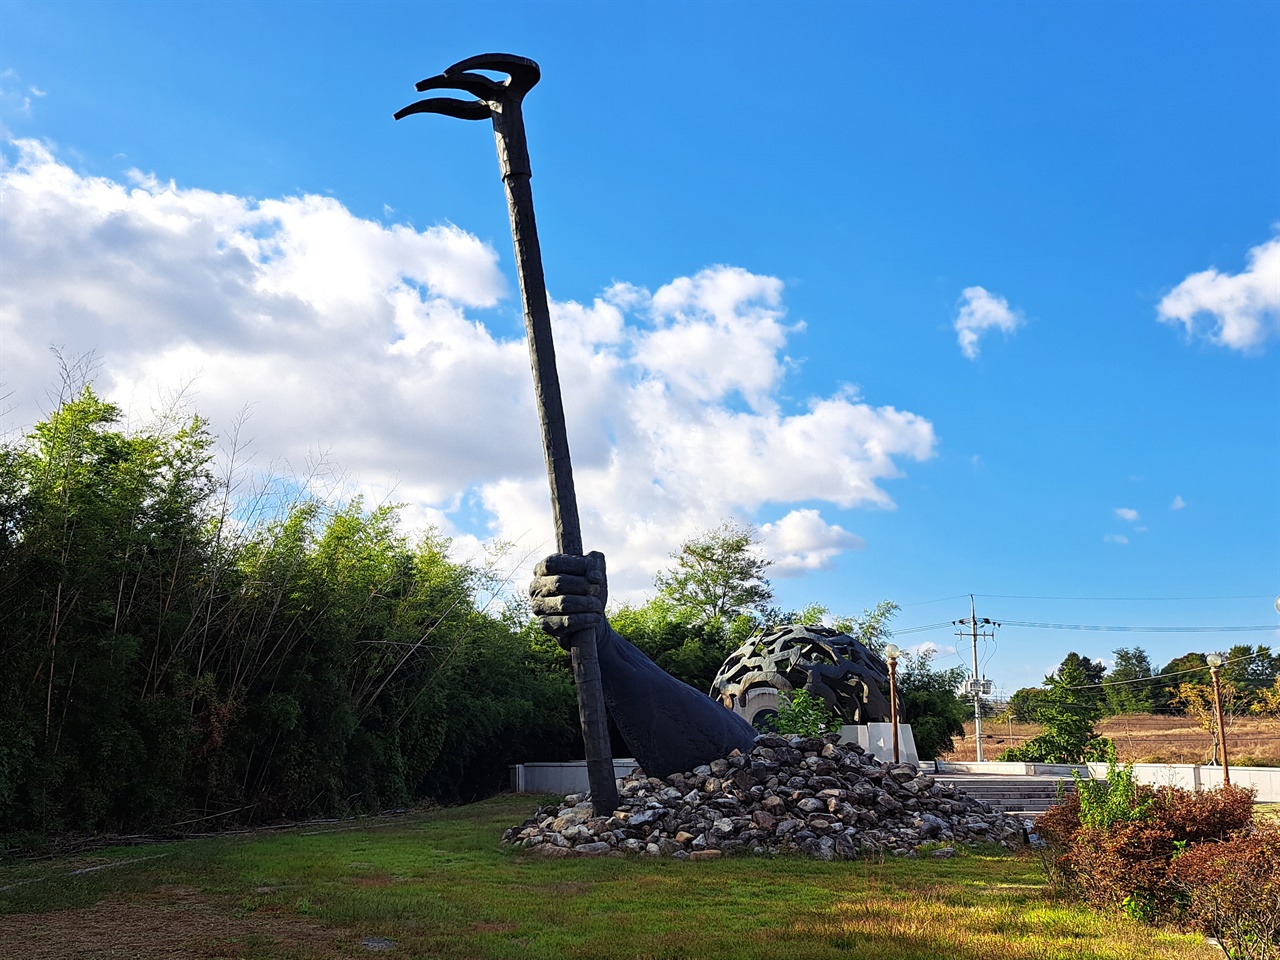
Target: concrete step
[{"x": 1024, "y": 796}]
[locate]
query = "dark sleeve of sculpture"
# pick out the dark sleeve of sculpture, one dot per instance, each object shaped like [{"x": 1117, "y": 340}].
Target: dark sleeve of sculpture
[{"x": 669, "y": 726}]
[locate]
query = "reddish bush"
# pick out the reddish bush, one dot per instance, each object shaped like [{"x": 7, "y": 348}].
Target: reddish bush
[
  {"x": 1232, "y": 891},
  {"x": 1060, "y": 823},
  {"x": 1126, "y": 864},
  {"x": 1211, "y": 815}
]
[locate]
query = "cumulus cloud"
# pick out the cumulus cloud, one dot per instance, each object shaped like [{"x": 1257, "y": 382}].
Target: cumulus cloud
[
  {"x": 1239, "y": 311},
  {"x": 802, "y": 541},
  {"x": 981, "y": 311},
  {"x": 1119, "y": 538},
  {"x": 1127, "y": 513},
  {"x": 365, "y": 341},
  {"x": 1178, "y": 503}
]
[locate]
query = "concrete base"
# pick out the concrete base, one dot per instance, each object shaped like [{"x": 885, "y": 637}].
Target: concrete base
[
  {"x": 560, "y": 778},
  {"x": 877, "y": 740},
  {"x": 565, "y": 778}
]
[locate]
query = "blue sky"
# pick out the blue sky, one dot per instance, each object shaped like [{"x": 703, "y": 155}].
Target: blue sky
[{"x": 765, "y": 229}]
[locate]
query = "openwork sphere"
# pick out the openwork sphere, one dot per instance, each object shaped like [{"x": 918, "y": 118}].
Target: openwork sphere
[{"x": 834, "y": 666}]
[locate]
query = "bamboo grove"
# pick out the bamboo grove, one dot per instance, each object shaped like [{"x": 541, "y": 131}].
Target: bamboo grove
[{"x": 171, "y": 653}]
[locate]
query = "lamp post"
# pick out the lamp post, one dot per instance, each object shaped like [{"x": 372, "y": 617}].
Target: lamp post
[
  {"x": 891, "y": 653},
  {"x": 1215, "y": 670}
]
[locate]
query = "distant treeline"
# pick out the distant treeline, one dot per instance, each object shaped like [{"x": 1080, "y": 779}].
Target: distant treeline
[
  {"x": 1250, "y": 683},
  {"x": 164, "y": 656}
]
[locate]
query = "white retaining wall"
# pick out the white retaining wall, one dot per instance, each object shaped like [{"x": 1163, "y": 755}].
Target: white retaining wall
[
  {"x": 561, "y": 778},
  {"x": 571, "y": 777},
  {"x": 1189, "y": 776}
]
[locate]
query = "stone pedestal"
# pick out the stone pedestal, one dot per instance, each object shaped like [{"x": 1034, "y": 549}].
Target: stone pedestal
[{"x": 877, "y": 740}]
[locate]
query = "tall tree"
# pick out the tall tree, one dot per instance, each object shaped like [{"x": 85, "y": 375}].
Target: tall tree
[
  {"x": 159, "y": 664},
  {"x": 718, "y": 575},
  {"x": 1188, "y": 668},
  {"x": 1087, "y": 676},
  {"x": 1250, "y": 668},
  {"x": 930, "y": 703},
  {"x": 1067, "y": 712},
  {"x": 1127, "y": 688}
]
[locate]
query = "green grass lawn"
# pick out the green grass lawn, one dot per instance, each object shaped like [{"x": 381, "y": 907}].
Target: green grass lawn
[{"x": 437, "y": 884}]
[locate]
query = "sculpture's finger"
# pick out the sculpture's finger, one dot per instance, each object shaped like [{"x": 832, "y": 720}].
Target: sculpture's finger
[
  {"x": 562, "y": 563},
  {"x": 450, "y": 107},
  {"x": 565, "y": 626},
  {"x": 563, "y": 586},
  {"x": 479, "y": 86},
  {"x": 524, "y": 73},
  {"x": 555, "y": 606}
]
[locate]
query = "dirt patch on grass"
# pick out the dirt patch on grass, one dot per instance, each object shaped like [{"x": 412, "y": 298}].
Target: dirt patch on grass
[
  {"x": 170, "y": 924},
  {"x": 492, "y": 927},
  {"x": 378, "y": 881}
]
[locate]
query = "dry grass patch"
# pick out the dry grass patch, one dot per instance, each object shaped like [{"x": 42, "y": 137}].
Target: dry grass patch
[
  {"x": 169, "y": 924},
  {"x": 1142, "y": 738}
]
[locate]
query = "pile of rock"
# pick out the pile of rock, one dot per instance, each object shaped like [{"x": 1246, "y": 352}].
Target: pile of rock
[{"x": 805, "y": 795}]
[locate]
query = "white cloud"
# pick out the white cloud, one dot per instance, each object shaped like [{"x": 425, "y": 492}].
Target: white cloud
[
  {"x": 935, "y": 650},
  {"x": 715, "y": 334},
  {"x": 802, "y": 541},
  {"x": 1119, "y": 538},
  {"x": 1178, "y": 503},
  {"x": 357, "y": 338},
  {"x": 1126, "y": 513},
  {"x": 1240, "y": 311},
  {"x": 981, "y": 311}
]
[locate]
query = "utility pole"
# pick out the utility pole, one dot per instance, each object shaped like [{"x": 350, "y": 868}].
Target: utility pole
[{"x": 976, "y": 686}]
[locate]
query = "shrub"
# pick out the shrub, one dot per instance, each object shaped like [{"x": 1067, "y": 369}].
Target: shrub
[
  {"x": 1112, "y": 845},
  {"x": 1125, "y": 865},
  {"x": 802, "y": 714},
  {"x": 1232, "y": 891},
  {"x": 1210, "y": 815},
  {"x": 1116, "y": 799}
]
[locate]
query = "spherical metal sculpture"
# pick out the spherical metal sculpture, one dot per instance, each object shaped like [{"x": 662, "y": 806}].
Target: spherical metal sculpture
[{"x": 834, "y": 666}]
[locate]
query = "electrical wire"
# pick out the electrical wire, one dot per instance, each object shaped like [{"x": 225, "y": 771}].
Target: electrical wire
[
  {"x": 1015, "y": 596},
  {"x": 922, "y": 629},
  {"x": 1135, "y": 629},
  {"x": 921, "y": 603}
]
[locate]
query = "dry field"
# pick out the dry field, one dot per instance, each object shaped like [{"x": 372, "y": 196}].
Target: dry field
[{"x": 1145, "y": 738}]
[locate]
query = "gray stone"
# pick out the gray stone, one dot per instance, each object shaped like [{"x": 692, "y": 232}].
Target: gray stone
[{"x": 847, "y": 813}]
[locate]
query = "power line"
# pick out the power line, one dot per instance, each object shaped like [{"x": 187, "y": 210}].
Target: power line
[
  {"x": 1136, "y": 629},
  {"x": 921, "y": 603},
  {"x": 927, "y": 626},
  {"x": 1015, "y": 596}
]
